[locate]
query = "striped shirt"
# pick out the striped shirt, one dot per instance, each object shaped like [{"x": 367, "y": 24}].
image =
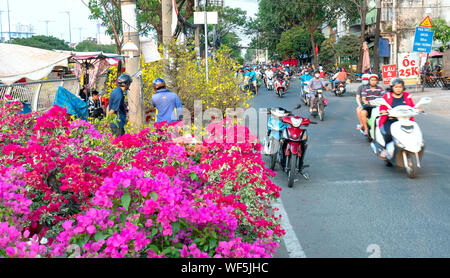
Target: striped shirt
[{"x": 370, "y": 94}]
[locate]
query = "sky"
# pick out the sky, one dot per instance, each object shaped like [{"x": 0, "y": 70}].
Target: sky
[{"x": 36, "y": 11}]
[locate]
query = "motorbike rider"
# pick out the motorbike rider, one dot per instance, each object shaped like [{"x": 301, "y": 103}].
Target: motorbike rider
[
  {"x": 304, "y": 79},
  {"x": 250, "y": 77},
  {"x": 268, "y": 74},
  {"x": 340, "y": 76},
  {"x": 394, "y": 98},
  {"x": 314, "y": 84},
  {"x": 117, "y": 104},
  {"x": 359, "y": 108},
  {"x": 370, "y": 92}
]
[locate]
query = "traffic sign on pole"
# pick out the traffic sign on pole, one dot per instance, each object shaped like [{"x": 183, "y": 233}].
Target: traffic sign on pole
[
  {"x": 423, "y": 40},
  {"x": 426, "y": 23}
]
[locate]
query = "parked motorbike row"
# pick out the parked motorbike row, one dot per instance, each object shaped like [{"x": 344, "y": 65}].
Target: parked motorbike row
[{"x": 286, "y": 142}]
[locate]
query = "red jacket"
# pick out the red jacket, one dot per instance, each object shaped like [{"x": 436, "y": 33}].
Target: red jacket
[{"x": 389, "y": 99}]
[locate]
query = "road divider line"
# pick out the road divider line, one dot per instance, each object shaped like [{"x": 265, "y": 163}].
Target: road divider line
[{"x": 291, "y": 241}]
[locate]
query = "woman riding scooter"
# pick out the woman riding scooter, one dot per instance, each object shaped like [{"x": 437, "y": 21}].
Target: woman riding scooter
[{"x": 397, "y": 96}]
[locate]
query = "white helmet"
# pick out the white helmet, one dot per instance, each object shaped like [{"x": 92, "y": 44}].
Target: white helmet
[{"x": 366, "y": 76}]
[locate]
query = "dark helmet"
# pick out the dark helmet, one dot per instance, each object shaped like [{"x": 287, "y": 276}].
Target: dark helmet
[
  {"x": 124, "y": 79},
  {"x": 159, "y": 83}
]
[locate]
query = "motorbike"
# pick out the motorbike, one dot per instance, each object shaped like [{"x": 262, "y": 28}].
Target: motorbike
[
  {"x": 270, "y": 83},
  {"x": 340, "y": 89},
  {"x": 274, "y": 128},
  {"x": 407, "y": 147},
  {"x": 286, "y": 142},
  {"x": 304, "y": 90},
  {"x": 280, "y": 86},
  {"x": 319, "y": 105}
]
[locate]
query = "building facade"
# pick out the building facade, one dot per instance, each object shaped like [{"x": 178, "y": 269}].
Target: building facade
[{"x": 399, "y": 18}]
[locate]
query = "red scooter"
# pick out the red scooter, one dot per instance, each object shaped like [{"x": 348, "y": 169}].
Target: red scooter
[{"x": 293, "y": 146}]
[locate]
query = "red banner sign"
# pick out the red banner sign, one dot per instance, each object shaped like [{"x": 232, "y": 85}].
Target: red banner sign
[{"x": 389, "y": 72}]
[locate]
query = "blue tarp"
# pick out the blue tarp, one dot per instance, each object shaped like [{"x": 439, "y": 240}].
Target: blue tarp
[
  {"x": 384, "y": 47},
  {"x": 74, "y": 105},
  {"x": 26, "y": 108}
]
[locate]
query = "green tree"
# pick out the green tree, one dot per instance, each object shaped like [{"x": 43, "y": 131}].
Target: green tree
[
  {"x": 327, "y": 55},
  {"x": 87, "y": 46},
  {"x": 348, "y": 47},
  {"x": 231, "y": 20},
  {"x": 44, "y": 42},
  {"x": 276, "y": 17},
  {"x": 296, "y": 41},
  {"x": 231, "y": 40},
  {"x": 441, "y": 31},
  {"x": 149, "y": 14}
]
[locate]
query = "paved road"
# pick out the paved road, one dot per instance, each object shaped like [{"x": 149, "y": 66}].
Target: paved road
[{"x": 353, "y": 200}]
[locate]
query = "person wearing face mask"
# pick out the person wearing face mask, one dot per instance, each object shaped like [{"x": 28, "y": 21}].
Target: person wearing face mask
[
  {"x": 370, "y": 92},
  {"x": 396, "y": 97},
  {"x": 304, "y": 79},
  {"x": 314, "y": 84},
  {"x": 359, "y": 108}
]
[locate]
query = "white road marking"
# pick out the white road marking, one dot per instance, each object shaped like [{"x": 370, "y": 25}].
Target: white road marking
[{"x": 291, "y": 241}]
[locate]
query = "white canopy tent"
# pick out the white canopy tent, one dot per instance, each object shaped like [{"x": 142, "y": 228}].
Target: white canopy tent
[{"x": 17, "y": 62}]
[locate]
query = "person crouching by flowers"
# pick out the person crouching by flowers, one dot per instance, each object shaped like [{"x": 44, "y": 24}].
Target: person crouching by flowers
[
  {"x": 117, "y": 104},
  {"x": 166, "y": 102}
]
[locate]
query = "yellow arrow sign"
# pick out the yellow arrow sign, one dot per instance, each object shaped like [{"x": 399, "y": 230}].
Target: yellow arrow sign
[{"x": 426, "y": 22}]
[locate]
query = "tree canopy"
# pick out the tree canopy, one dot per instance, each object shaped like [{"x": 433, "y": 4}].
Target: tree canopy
[
  {"x": 44, "y": 42},
  {"x": 296, "y": 41},
  {"x": 88, "y": 46},
  {"x": 441, "y": 31}
]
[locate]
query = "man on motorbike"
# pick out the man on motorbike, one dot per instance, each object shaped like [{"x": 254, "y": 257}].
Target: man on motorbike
[
  {"x": 314, "y": 84},
  {"x": 396, "y": 97},
  {"x": 304, "y": 79},
  {"x": 340, "y": 76},
  {"x": 369, "y": 93},
  {"x": 250, "y": 77},
  {"x": 359, "y": 109},
  {"x": 268, "y": 75}
]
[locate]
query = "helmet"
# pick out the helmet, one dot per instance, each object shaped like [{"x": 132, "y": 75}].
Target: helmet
[
  {"x": 158, "y": 83},
  {"x": 124, "y": 79},
  {"x": 396, "y": 81},
  {"x": 366, "y": 76},
  {"x": 374, "y": 75}
]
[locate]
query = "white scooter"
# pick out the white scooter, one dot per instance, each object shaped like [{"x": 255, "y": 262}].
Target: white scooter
[
  {"x": 269, "y": 83},
  {"x": 407, "y": 146}
]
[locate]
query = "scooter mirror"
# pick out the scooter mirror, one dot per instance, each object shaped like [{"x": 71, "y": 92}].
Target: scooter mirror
[{"x": 424, "y": 100}]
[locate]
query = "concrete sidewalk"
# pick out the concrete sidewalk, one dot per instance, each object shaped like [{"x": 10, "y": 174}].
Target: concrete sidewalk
[{"x": 441, "y": 97}]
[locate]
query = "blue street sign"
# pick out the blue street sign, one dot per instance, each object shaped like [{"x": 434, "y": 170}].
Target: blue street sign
[{"x": 423, "y": 40}]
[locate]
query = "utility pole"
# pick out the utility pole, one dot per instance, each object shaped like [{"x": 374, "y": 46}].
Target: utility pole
[
  {"x": 197, "y": 33},
  {"x": 70, "y": 27},
  {"x": 9, "y": 22},
  {"x": 47, "y": 21},
  {"x": 80, "y": 28},
  {"x": 206, "y": 44},
  {"x": 132, "y": 63},
  {"x": 376, "y": 49},
  {"x": 1, "y": 28}
]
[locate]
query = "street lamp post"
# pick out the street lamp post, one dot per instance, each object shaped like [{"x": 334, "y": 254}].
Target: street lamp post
[
  {"x": 206, "y": 44},
  {"x": 9, "y": 23},
  {"x": 70, "y": 28}
]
